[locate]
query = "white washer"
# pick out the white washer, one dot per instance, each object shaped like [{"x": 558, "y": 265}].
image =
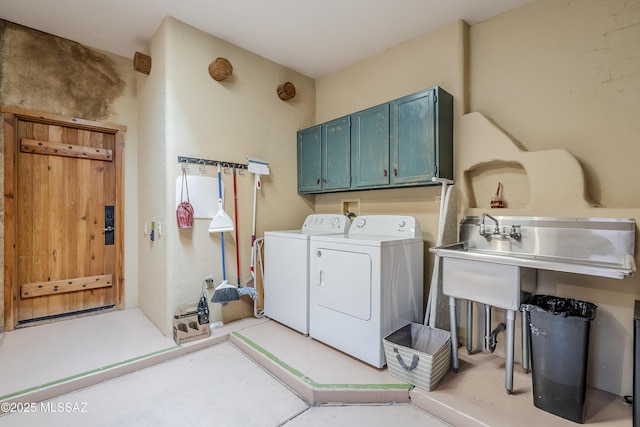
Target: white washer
[
  {"x": 366, "y": 284},
  {"x": 286, "y": 269}
]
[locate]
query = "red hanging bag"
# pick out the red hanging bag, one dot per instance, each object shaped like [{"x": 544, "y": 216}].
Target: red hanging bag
[{"x": 184, "y": 211}]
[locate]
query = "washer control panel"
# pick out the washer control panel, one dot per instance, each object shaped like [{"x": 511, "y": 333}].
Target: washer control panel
[{"x": 334, "y": 223}]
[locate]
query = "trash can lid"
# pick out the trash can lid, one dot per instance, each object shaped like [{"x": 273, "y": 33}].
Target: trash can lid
[{"x": 565, "y": 307}]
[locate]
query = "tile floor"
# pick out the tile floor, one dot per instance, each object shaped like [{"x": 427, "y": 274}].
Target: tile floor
[{"x": 117, "y": 369}]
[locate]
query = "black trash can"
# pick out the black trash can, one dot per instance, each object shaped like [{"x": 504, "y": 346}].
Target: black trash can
[{"x": 559, "y": 338}]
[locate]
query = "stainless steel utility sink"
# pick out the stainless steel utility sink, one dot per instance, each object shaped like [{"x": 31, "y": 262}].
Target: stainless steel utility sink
[
  {"x": 460, "y": 250},
  {"x": 497, "y": 259},
  {"x": 594, "y": 246}
]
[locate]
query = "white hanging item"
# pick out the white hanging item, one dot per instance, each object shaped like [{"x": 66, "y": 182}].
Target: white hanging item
[
  {"x": 257, "y": 167},
  {"x": 437, "y": 312},
  {"x": 221, "y": 222}
]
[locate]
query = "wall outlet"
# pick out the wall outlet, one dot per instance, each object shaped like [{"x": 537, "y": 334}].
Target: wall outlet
[{"x": 209, "y": 281}]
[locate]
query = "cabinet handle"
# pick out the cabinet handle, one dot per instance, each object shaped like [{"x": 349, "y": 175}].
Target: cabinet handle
[
  {"x": 318, "y": 181},
  {"x": 395, "y": 171},
  {"x": 385, "y": 172}
]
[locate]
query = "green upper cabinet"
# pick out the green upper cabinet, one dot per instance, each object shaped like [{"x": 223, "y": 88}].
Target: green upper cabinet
[
  {"x": 309, "y": 155},
  {"x": 336, "y": 154},
  {"x": 414, "y": 152},
  {"x": 324, "y": 157},
  {"x": 370, "y": 147},
  {"x": 405, "y": 142}
]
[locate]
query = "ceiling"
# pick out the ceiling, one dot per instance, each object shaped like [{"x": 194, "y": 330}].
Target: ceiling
[{"x": 313, "y": 37}]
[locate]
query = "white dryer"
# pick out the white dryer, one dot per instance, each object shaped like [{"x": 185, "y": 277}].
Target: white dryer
[
  {"x": 366, "y": 284},
  {"x": 286, "y": 269}
]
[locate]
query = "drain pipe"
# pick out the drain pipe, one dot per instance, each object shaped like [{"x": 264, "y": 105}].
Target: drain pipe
[
  {"x": 491, "y": 339},
  {"x": 487, "y": 328}
]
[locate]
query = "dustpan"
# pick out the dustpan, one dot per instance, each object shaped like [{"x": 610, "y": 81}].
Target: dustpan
[{"x": 221, "y": 222}]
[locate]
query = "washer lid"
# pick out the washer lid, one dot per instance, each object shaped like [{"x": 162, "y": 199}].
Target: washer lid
[{"x": 287, "y": 234}]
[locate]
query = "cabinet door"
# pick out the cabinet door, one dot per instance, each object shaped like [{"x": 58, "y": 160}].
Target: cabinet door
[
  {"x": 309, "y": 158},
  {"x": 370, "y": 140},
  {"x": 413, "y": 148},
  {"x": 336, "y": 154}
]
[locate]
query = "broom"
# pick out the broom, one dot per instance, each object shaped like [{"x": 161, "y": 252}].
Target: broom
[{"x": 221, "y": 222}]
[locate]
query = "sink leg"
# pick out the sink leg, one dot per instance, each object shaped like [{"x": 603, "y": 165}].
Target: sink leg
[
  {"x": 526, "y": 361},
  {"x": 454, "y": 334},
  {"x": 469, "y": 327},
  {"x": 508, "y": 374}
]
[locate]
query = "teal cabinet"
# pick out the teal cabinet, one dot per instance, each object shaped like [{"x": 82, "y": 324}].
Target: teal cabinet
[
  {"x": 401, "y": 143},
  {"x": 309, "y": 160},
  {"x": 336, "y": 154},
  {"x": 370, "y": 147},
  {"x": 421, "y": 147},
  {"x": 324, "y": 157}
]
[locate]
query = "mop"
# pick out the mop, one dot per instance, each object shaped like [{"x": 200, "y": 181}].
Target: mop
[
  {"x": 258, "y": 168},
  {"x": 242, "y": 290},
  {"x": 437, "y": 311},
  {"x": 221, "y": 222}
]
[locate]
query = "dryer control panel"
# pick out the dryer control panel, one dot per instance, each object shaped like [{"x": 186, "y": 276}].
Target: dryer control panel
[{"x": 386, "y": 225}]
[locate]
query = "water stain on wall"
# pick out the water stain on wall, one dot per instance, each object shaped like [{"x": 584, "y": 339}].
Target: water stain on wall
[{"x": 49, "y": 73}]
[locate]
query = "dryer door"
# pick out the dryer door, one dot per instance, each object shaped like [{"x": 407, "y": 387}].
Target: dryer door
[{"x": 342, "y": 282}]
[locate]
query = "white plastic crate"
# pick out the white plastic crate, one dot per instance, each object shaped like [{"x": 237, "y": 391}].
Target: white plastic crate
[{"x": 419, "y": 355}]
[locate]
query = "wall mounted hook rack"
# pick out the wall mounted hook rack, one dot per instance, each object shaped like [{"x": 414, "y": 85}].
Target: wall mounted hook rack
[{"x": 233, "y": 165}]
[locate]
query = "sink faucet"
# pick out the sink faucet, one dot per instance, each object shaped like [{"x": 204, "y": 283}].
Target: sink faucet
[
  {"x": 483, "y": 231},
  {"x": 515, "y": 232}
]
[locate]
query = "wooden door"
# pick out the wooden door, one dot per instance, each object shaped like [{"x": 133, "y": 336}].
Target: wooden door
[{"x": 63, "y": 217}]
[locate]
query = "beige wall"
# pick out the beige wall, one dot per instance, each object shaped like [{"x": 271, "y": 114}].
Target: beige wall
[
  {"x": 565, "y": 74},
  {"x": 184, "y": 112},
  {"x": 551, "y": 75}
]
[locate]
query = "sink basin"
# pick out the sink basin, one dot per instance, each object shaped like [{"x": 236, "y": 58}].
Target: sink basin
[{"x": 485, "y": 278}]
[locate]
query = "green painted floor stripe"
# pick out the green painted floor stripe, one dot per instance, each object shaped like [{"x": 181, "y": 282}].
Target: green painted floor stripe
[
  {"x": 83, "y": 374},
  {"x": 311, "y": 382}
]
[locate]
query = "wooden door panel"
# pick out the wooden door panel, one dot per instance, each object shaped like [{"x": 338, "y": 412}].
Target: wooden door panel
[{"x": 60, "y": 191}]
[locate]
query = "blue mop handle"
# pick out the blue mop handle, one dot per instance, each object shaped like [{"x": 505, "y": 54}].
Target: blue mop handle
[{"x": 224, "y": 269}]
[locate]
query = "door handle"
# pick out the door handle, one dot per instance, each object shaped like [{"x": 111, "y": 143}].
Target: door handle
[{"x": 109, "y": 225}]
